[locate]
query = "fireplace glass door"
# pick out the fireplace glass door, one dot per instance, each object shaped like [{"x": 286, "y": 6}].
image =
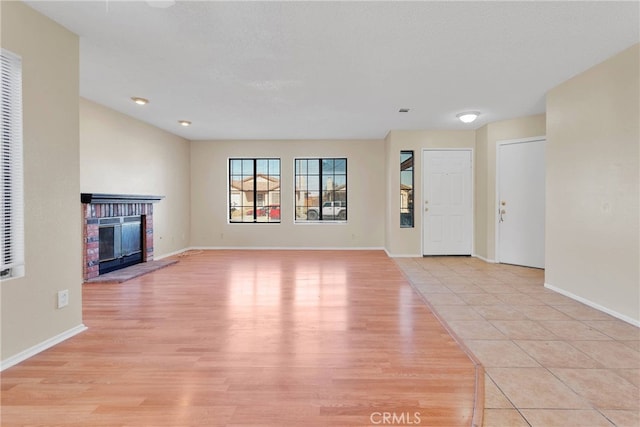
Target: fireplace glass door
[{"x": 120, "y": 242}]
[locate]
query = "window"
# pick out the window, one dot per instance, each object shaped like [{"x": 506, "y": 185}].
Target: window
[
  {"x": 12, "y": 205},
  {"x": 254, "y": 190},
  {"x": 406, "y": 189},
  {"x": 321, "y": 189}
]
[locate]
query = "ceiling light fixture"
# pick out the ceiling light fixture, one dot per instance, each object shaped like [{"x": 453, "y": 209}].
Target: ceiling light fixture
[
  {"x": 184, "y": 122},
  {"x": 161, "y": 4},
  {"x": 468, "y": 116},
  {"x": 139, "y": 101}
]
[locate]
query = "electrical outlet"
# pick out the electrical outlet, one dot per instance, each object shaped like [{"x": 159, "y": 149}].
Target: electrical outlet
[{"x": 63, "y": 298}]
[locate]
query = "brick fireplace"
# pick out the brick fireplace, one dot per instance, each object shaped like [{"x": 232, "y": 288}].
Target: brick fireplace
[{"x": 101, "y": 211}]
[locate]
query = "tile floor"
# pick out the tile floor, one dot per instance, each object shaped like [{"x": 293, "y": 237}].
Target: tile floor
[{"x": 549, "y": 360}]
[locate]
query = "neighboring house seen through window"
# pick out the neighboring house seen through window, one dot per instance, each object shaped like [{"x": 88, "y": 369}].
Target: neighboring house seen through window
[
  {"x": 11, "y": 167},
  {"x": 321, "y": 189},
  {"x": 254, "y": 190}
]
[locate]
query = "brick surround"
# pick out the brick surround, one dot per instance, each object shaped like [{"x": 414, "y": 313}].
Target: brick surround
[{"x": 121, "y": 206}]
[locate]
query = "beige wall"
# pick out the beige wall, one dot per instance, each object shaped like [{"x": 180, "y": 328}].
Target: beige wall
[
  {"x": 53, "y": 240},
  {"x": 487, "y": 138},
  {"x": 389, "y": 190},
  {"x": 365, "y": 192},
  {"x": 592, "y": 233},
  {"x": 481, "y": 211},
  {"x": 408, "y": 241},
  {"x": 122, "y": 155}
]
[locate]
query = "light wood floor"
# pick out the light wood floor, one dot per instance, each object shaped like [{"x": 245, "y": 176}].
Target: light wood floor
[{"x": 238, "y": 338}]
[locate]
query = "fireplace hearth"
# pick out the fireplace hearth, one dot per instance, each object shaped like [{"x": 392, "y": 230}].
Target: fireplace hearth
[{"x": 118, "y": 231}]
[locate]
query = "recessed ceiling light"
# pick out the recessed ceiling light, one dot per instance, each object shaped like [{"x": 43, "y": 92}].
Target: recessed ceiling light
[
  {"x": 468, "y": 116},
  {"x": 162, "y": 4},
  {"x": 140, "y": 101},
  {"x": 403, "y": 110},
  {"x": 184, "y": 122}
]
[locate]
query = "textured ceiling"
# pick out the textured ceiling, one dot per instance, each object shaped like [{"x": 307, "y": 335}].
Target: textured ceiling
[{"x": 327, "y": 70}]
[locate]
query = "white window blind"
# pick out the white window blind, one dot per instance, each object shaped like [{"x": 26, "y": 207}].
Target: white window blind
[{"x": 11, "y": 189}]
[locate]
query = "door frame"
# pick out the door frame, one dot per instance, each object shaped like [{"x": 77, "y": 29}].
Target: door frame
[
  {"x": 423, "y": 172},
  {"x": 496, "y": 214}
]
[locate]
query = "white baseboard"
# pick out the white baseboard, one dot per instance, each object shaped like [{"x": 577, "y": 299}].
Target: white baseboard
[
  {"x": 490, "y": 261},
  {"x": 634, "y": 322},
  {"x": 157, "y": 258},
  {"x": 390, "y": 255},
  {"x": 38, "y": 348},
  {"x": 280, "y": 248}
]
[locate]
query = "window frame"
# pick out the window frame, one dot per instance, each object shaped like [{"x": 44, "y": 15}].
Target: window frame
[
  {"x": 12, "y": 261},
  {"x": 320, "y": 191},
  {"x": 254, "y": 175}
]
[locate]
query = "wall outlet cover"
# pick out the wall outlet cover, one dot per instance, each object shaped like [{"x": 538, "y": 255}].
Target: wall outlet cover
[{"x": 63, "y": 298}]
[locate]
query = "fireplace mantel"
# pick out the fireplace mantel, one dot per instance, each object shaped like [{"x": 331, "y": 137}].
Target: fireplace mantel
[{"x": 118, "y": 198}]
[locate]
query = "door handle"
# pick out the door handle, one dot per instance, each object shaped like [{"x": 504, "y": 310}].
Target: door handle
[{"x": 502, "y": 212}]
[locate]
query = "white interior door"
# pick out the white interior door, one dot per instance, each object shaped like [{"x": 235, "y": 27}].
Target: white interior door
[
  {"x": 447, "y": 215},
  {"x": 521, "y": 193}
]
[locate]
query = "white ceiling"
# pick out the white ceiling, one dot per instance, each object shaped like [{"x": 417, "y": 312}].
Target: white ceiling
[{"x": 328, "y": 70}]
